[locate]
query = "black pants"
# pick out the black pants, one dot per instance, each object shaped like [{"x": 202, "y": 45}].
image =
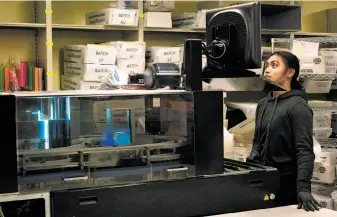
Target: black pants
[{"x": 287, "y": 194}]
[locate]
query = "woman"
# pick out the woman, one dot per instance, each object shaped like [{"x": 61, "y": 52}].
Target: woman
[{"x": 284, "y": 132}]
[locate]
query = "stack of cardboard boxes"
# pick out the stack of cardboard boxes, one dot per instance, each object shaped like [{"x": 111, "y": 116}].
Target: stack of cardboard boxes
[{"x": 86, "y": 65}]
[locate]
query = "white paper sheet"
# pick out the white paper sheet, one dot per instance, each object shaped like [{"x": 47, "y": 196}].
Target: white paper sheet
[{"x": 286, "y": 211}]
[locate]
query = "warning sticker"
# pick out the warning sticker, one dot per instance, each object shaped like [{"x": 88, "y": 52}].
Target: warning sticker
[{"x": 266, "y": 197}]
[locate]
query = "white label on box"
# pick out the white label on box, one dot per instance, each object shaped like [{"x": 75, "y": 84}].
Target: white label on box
[
  {"x": 89, "y": 85},
  {"x": 321, "y": 121},
  {"x": 331, "y": 60},
  {"x": 103, "y": 55},
  {"x": 330, "y": 56},
  {"x": 123, "y": 17},
  {"x": 164, "y": 55},
  {"x": 131, "y": 66},
  {"x": 130, "y": 50},
  {"x": 88, "y": 72},
  {"x": 304, "y": 48},
  {"x": 312, "y": 65},
  {"x": 96, "y": 54},
  {"x": 169, "y": 55},
  {"x": 321, "y": 84},
  {"x": 305, "y": 69}
]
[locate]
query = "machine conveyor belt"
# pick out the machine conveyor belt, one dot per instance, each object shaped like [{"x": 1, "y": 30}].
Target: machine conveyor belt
[{"x": 232, "y": 165}]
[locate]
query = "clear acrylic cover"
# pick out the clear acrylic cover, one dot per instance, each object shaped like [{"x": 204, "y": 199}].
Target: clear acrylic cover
[{"x": 74, "y": 140}]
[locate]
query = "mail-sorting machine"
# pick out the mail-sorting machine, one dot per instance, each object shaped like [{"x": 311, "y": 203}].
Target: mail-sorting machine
[{"x": 122, "y": 152}]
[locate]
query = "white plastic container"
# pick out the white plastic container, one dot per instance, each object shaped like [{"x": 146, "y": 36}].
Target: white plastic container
[
  {"x": 322, "y": 132},
  {"x": 322, "y": 119},
  {"x": 317, "y": 86}
]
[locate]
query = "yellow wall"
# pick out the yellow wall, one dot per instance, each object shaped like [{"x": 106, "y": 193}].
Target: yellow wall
[
  {"x": 73, "y": 12},
  {"x": 17, "y": 11},
  {"x": 17, "y": 44},
  {"x": 313, "y": 18}
]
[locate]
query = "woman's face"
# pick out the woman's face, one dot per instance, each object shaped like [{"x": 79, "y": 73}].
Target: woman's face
[{"x": 276, "y": 70}]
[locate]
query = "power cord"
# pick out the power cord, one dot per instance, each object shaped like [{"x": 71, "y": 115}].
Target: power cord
[
  {"x": 212, "y": 60},
  {"x": 1, "y": 212}
]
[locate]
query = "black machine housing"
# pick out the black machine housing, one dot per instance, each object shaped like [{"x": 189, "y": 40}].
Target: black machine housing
[{"x": 219, "y": 185}]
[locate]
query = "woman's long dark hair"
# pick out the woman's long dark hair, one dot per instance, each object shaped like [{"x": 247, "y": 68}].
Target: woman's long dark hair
[{"x": 292, "y": 62}]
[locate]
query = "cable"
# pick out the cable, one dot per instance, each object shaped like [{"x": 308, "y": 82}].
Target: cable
[
  {"x": 218, "y": 42},
  {"x": 212, "y": 60},
  {"x": 1, "y": 212}
]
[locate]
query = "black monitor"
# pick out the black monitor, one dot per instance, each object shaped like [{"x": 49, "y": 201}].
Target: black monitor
[
  {"x": 233, "y": 36},
  {"x": 233, "y": 45}
]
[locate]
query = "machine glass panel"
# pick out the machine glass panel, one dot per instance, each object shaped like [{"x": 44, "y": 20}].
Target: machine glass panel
[{"x": 79, "y": 140}]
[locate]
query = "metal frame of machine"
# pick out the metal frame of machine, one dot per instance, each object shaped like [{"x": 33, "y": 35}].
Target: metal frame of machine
[{"x": 83, "y": 154}]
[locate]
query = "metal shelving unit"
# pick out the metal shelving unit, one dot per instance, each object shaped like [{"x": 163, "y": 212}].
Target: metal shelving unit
[
  {"x": 22, "y": 25},
  {"x": 314, "y": 34},
  {"x": 137, "y": 33},
  {"x": 202, "y": 31},
  {"x": 92, "y": 27},
  {"x": 175, "y": 30},
  {"x": 323, "y": 41}
]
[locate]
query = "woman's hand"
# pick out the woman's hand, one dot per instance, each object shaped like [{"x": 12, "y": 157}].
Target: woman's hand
[
  {"x": 254, "y": 157},
  {"x": 307, "y": 201}
]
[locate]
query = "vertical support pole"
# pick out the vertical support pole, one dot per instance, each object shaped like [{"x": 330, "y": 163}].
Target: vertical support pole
[
  {"x": 192, "y": 65},
  {"x": 208, "y": 132},
  {"x": 49, "y": 44},
  {"x": 141, "y": 21},
  {"x": 272, "y": 45},
  {"x": 36, "y": 35}
]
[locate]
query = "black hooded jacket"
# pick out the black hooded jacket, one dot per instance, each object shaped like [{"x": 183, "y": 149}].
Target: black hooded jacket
[{"x": 284, "y": 136}]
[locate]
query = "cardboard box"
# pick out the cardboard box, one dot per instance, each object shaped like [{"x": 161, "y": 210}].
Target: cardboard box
[
  {"x": 113, "y": 16},
  {"x": 158, "y": 19},
  {"x": 243, "y": 132},
  {"x": 75, "y": 83},
  {"x": 129, "y": 50},
  {"x": 91, "y": 53},
  {"x": 131, "y": 66},
  {"x": 190, "y": 20},
  {"x": 159, "y": 6},
  {"x": 88, "y": 72},
  {"x": 158, "y": 54}
]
